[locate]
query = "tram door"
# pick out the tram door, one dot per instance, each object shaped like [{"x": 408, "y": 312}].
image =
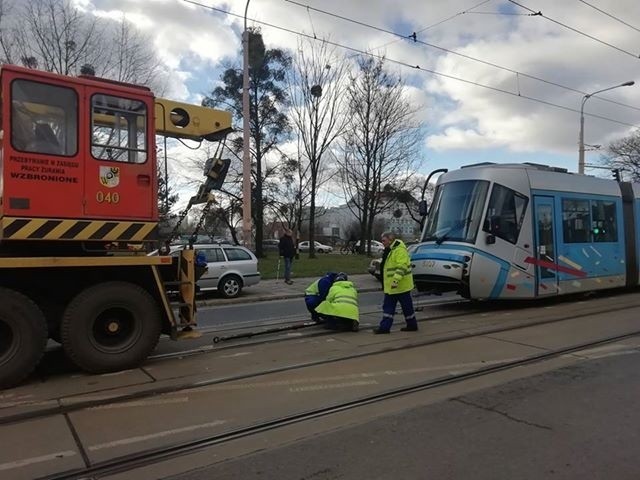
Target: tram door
[{"x": 545, "y": 238}]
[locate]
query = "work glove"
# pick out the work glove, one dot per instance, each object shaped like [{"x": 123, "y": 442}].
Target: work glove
[{"x": 394, "y": 284}]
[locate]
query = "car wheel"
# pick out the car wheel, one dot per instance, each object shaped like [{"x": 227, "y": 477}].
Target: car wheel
[{"x": 230, "y": 286}]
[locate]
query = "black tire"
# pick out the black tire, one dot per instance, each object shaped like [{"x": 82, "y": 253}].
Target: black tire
[
  {"x": 110, "y": 326},
  {"x": 230, "y": 286},
  {"x": 23, "y": 336}
]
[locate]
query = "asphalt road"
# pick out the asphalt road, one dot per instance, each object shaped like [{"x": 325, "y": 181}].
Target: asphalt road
[
  {"x": 260, "y": 313},
  {"x": 573, "y": 423}
]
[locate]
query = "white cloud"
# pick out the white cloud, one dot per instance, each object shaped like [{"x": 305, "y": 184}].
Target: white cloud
[{"x": 193, "y": 41}]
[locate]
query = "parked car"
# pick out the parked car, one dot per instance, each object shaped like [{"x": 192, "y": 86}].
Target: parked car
[
  {"x": 374, "y": 265},
  {"x": 376, "y": 247},
  {"x": 230, "y": 268},
  {"x": 320, "y": 248},
  {"x": 270, "y": 245}
]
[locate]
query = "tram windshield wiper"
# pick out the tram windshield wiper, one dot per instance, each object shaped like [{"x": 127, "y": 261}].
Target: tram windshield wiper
[{"x": 442, "y": 235}]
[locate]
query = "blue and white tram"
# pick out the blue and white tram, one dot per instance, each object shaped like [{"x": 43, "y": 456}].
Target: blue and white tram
[{"x": 502, "y": 231}]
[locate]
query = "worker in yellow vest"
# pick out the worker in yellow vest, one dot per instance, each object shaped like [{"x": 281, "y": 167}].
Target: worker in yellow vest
[
  {"x": 340, "y": 308},
  {"x": 397, "y": 280}
]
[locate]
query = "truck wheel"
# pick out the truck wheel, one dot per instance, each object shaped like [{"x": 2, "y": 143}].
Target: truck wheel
[
  {"x": 110, "y": 326},
  {"x": 23, "y": 336}
]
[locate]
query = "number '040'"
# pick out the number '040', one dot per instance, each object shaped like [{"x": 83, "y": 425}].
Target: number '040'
[{"x": 111, "y": 197}]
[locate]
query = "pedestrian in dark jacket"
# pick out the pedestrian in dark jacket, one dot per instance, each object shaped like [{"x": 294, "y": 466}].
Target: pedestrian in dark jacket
[{"x": 287, "y": 251}]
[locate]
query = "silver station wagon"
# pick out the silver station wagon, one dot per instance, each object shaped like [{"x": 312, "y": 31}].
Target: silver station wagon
[{"x": 230, "y": 268}]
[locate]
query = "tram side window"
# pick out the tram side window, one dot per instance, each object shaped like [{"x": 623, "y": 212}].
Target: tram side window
[
  {"x": 576, "y": 220},
  {"x": 505, "y": 213},
  {"x": 44, "y": 118},
  {"x": 603, "y": 221},
  {"x": 118, "y": 129}
]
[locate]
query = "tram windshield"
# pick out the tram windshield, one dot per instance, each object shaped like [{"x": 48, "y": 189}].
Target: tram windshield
[{"x": 456, "y": 212}]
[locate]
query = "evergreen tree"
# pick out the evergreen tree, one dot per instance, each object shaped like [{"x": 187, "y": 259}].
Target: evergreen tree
[
  {"x": 166, "y": 201},
  {"x": 268, "y": 124}
]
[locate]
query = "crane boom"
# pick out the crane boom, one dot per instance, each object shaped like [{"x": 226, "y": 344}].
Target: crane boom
[{"x": 194, "y": 122}]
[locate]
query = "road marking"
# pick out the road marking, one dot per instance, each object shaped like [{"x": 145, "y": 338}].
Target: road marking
[
  {"x": 116, "y": 374},
  {"x": 28, "y": 403},
  {"x": 30, "y": 461},
  {"x": 165, "y": 433},
  {"x": 13, "y": 396},
  {"x": 329, "y": 386},
  {"x": 141, "y": 403},
  {"x": 239, "y": 354},
  {"x": 339, "y": 378}
]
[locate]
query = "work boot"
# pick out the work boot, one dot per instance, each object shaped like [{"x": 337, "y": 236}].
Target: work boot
[
  {"x": 413, "y": 328},
  {"x": 378, "y": 331},
  {"x": 355, "y": 327}
]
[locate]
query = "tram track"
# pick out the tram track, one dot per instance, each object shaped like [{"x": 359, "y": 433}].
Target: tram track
[
  {"x": 148, "y": 457},
  {"x": 108, "y": 396},
  {"x": 298, "y": 324}
]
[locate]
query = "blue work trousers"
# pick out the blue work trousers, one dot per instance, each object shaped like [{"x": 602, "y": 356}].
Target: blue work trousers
[
  {"x": 389, "y": 308},
  {"x": 312, "y": 302}
]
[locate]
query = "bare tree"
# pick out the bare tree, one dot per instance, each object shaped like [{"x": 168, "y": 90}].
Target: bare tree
[
  {"x": 381, "y": 143},
  {"x": 317, "y": 85},
  {"x": 131, "y": 57},
  {"x": 624, "y": 154},
  {"x": 293, "y": 195},
  {"x": 55, "y": 36},
  {"x": 268, "y": 123}
]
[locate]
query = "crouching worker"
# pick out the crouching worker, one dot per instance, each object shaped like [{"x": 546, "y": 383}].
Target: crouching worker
[
  {"x": 340, "y": 308},
  {"x": 315, "y": 294}
]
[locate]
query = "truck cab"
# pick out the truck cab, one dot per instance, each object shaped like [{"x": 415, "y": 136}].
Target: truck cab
[{"x": 78, "y": 154}]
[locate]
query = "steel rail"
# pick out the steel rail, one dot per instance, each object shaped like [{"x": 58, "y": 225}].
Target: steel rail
[
  {"x": 81, "y": 405},
  {"x": 147, "y": 457}
]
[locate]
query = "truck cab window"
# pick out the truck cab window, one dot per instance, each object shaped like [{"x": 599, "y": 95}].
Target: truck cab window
[
  {"x": 44, "y": 118},
  {"x": 118, "y": 129}
]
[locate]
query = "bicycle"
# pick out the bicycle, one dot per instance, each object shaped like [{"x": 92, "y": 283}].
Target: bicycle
[{"x": 349, "y": 248}]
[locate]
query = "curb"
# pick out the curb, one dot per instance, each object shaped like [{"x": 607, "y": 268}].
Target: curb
[{"x": 262, "y": 298}]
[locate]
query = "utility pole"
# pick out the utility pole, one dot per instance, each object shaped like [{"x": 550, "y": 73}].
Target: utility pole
[
  {"x": 246, "y": 154},
  {"x": 581, "y": 136}
]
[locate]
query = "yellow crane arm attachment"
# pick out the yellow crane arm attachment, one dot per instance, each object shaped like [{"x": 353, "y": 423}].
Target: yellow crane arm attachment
[{"x": 194, "y": 122}]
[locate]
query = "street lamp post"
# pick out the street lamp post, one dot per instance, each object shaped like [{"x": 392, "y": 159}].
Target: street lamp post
[
  {"x": 581, "y": 137},
  {"x": 246, "y": 156}
]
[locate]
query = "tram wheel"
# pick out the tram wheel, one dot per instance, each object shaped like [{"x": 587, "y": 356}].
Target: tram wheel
[
  {"x": 110, "y": 326},
  {"x": 23, "y": 336}
]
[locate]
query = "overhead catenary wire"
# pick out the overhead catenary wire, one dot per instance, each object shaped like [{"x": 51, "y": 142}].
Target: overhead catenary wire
[
  {"x": 468, "y": 10},
  {"x": 580, "y": 32},
  {"x": 416, "y": 67},
  {"x": 413, "y": 38},
  {"x": 609, "y": 15}
]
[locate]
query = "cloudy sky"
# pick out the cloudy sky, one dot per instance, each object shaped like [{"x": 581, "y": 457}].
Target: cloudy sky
[{"x": 498, "y": 80}]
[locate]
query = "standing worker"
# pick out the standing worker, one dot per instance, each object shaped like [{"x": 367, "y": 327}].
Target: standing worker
[
  {"x": 317, "y": 292},
  {"x": 340, "y": 308},
  {"x": 287, "y": 251},
  {"x": 397, "y": 281}
]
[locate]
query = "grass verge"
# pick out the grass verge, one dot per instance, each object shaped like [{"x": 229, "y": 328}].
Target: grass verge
[{"x": 314, "y": 267}]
